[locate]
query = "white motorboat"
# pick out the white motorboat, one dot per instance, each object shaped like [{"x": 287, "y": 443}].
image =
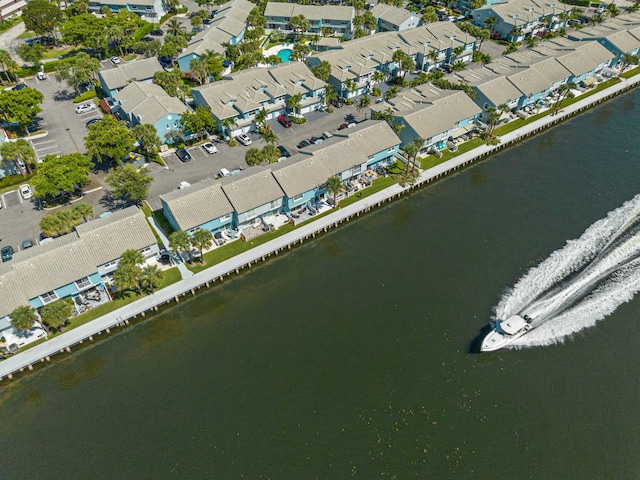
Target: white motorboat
[{"x": 505, "y": 332}]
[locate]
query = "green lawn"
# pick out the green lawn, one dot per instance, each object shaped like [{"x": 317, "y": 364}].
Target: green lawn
[
  {"x": 631, "y": 73},
  {"x": 378, "y": 185},
  {"x": 60, "y": 51},
  {"x": 27, "y": 34},
  {"x": 431, "y": 161},
  {"x": 170, "y": 277},
  {"x": 162, "y": 222}
]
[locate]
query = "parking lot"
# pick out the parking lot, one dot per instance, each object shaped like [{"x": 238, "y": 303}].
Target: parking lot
[{"x": 204, "y": 165}]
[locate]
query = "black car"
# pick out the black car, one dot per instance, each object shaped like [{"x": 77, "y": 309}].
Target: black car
[
  {"x": 92, "y": 121},
  {"x": 284, "y": 153},
  {"x": 303, "y": 143},
  {"x": 183, "y": 155},
  {"x": 20, "y": 86},
  {"x": 148, "y": 39},
  {"x": 156, "y": 33},
  {"x": 337, "y": 103},
  {"x": 7, "y": 253},
  {"x": 28, "y": 243}
]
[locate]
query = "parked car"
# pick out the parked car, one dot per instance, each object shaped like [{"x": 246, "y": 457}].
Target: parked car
[
  {"x": 183, "y": 155},
  {"x": 223, "y": 173},
  {"x": 148, "y": 39},
  {"x": 337, "y": 103},
  {"x": 207, "y": 21},
  {"x": 116, "y": 60},
  {"x": 303, "y": 143},
  {"x": 85, "y": 107},
  {"x": 25, "y": 191},
  {"x": 210, "y": 148},
  {"x": 157, "y": 32},
  {"x": 343, "y": 126},
  {"x": 92, "y": 121},
  {"x": 285, "y": 121},
  {"x": 20, "y": 86},
  {"x": 244, "y": 139},
  {"x": 28, "y": 243},
  {"x": 41, "y": 76},
  {"x": 284, "y": 153},
  {"x": 315, "y": 140},
  {"x": 7, "y": 253}
]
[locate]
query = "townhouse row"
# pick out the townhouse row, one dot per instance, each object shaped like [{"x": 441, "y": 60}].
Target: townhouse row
[{"x": 75, "y": 266}]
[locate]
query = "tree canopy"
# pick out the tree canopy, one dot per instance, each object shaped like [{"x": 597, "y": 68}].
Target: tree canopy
[
  {"x": 322, "y": 70},
  {"x": 61, "y": 174},
  {"x": 128, "y": 184},
  {"x": 42, "y": 16},
  {"x": 20, "y": 106},
  {"x": 109, "y": 139},
  {"x": 55, "y": 314},
  {"x": 77, "y": 69},
  {"x": 147, "y": 135},
  {"x": 198, "y": 122},
  {"x": 23, "y": 317},
  {"x": 19, "y": 152}
]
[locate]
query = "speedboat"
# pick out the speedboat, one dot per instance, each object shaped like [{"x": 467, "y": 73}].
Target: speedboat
[{"x": 505, "y": 332}]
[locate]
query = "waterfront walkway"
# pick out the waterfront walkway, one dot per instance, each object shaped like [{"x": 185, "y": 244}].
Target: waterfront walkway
[{"x": 191, "y": 282}]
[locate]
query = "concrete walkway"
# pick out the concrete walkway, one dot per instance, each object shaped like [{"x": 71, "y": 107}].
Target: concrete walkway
[
  {"x": 184, "y": 271},
  {"x": 260, "y": 253}
]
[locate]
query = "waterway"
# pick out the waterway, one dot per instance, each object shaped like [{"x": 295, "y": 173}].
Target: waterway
[{"x": 350, "y": 356}]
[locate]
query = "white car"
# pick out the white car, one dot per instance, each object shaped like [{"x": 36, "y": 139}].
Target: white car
[
  {"x": 25, "y": 191},
  {"x": 116, "y": 60},
  {"x": 85, "y": 107},
  {"x": 244, "y": 139},
  {"x": 41, "y": 76},
  {"x": 210, "y": 148}
]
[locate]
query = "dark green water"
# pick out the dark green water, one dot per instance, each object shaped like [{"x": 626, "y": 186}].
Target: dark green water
[{"x": 349, "y": 357}]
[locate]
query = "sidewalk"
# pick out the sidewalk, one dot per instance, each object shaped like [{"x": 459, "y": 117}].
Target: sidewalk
[{"x": 184, "y": 271}]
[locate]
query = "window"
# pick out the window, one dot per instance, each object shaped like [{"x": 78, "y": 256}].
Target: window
[
  {"x": 110, "y": 264},
  {"x": 83, "y": 282},
  {"x": 48, "y": 297},
  {"x": 391, "y": 149},
  {"x": 145, "y": 250},
  {"x": 274, "y": 204},
  {"x": 250, "y": 214},
  {"x": 297, "y": 198},
  {"x": 225, "y": 218}
]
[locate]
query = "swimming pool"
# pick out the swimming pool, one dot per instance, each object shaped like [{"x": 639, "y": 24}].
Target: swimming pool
[{"x": 285, "y": 54}]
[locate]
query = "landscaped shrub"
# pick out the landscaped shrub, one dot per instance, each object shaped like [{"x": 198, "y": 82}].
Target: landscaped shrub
[{"x": 88, "y": 95}]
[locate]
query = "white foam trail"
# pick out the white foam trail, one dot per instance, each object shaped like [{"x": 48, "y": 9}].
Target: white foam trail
[{"x": 581, "y": 283}]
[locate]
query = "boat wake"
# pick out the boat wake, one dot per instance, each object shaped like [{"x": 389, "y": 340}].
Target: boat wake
[{"x": 581, "y": 283}]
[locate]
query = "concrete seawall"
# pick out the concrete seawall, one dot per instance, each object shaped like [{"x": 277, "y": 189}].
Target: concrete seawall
[{"x": 42, "y": 353}]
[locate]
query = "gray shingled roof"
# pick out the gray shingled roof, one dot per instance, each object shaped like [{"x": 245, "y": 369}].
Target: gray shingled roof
[
  {"x": 50, "y": 266},
  {"x": 251, "y": 189},
  {"x": 441, "y": 115},
  {"x": 12, "y": 290},
  {"x": 106, "y": 238},
  {"x": 390, "y": 14},
  {"x": 347, "y": 148},
  {"x": 118, "y": 77},
  {"x": 197, "y": 204},
  {"x": 311, "y": 12},
  {"x": 149, "y": 102}
]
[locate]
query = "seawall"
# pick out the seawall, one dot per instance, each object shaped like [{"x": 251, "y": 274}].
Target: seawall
[{"x": 42, "y": 353}]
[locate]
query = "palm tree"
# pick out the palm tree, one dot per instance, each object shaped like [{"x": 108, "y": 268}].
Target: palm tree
[
  {"x": 294, "y": 102},
  {"x": 202, "y": 239},
  {"x": 83, "y": 210},
  {"x": 8, "y": 64},
  {"x": 350, "y": 86},
  {"x": 334, "y": 186},
  {"x": 363, "y": 105},
  {"x": 174, "y": 27},
  {"x": 378, "y": 76},
  {"x": 411, "y": 151},
  {"x": 565, "y": 91},
  {"x": 626, "y": 60},
  {"x": 23, "y": 317},
  {"x": 150, "y": 277},
  {"x": 131, "y": 257},
  {"x": 180, "y": 241},
  {"x": 261, "y": 118},
  {"x": 51, "y": 225},
  {"x": 329, "y": 94},
  {"x": 490, "y": 22},
  {"x": 268, "y": 135},
  {"x": 227, "y": 125}
]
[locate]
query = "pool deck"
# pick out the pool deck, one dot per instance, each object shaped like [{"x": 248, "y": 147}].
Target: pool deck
[
  {"x": 216, "y": 273},
  {"x": 277, "y": 48}
]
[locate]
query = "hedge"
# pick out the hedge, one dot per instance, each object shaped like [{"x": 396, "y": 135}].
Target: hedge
[{"x": 88, "y": 95}]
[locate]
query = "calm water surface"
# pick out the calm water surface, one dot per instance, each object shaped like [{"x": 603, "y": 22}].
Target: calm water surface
[{"x": 349, "y": 357}]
